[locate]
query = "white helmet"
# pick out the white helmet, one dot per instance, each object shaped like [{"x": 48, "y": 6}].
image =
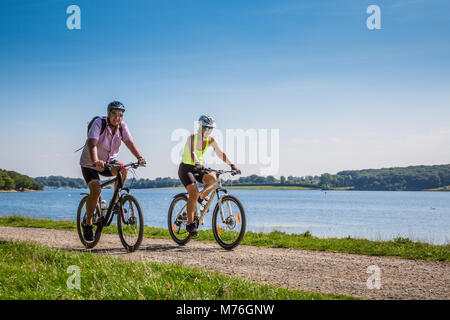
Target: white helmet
[{"x": 207, "y": 121}]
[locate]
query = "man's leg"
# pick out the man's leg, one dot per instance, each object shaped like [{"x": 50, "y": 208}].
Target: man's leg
[
  {"x": 94, "y": 195},
  {"x": 124, "y": 172}
]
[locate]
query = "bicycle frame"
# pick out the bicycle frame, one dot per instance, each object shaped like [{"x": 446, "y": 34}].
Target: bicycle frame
[
  {"x": 217, "y": 187},
  {"x": 107, "y": 219},
  {"x": 129, "y": 217}
]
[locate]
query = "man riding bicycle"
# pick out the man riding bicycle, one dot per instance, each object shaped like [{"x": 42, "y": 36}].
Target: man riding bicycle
[
  {"x": 191, "y": 167},
  {"x": 102, "y": 147}
]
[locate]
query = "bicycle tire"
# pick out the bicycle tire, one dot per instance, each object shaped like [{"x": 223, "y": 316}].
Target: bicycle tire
[
  {"x": 171, "y": 226},
  {"x": 229, "y": 246},
  {"x": 127, "y": 246},
  {"x": 98, "y": 231}
]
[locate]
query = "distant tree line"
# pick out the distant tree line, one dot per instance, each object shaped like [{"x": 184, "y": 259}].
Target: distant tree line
[
  {"x": 413, "y": 178},
  {"x": 167, "y": 182},
  {"x": 255, "y": 180},
  {"x": 61, "y": 182},
  {"x": 157, "y": 183},
  {"x": 408, "y": 178},
  {"x": 11, "y": 180},
  {"x": 78, "y": 183}
]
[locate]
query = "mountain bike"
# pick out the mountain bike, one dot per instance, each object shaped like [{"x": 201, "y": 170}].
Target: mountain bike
[
  {"x": 228, "y": 219},
  {"x": 130, "y": 221}
]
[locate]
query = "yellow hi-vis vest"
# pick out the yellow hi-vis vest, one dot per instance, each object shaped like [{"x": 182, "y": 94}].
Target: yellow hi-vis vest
[{"x": 199, "y": 153}]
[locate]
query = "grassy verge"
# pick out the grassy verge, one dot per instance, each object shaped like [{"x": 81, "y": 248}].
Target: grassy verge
[
  {"x": 400, "y": 247},
  {"x": 31, "y": 271},
  {"x": 446, "y": 188}
]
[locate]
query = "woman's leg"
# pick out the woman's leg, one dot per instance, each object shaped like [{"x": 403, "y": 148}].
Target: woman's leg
[
  {"x": 192, "y": 189},
  {"x": 208, "y": 179}
]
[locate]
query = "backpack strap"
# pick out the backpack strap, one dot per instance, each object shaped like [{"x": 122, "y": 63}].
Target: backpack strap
[
  {"x": 104, "y": 123},
  {"x": 102, "y": 130}
]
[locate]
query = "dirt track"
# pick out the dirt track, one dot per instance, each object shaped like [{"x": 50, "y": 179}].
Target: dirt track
[{"x": 325, "y": 272}]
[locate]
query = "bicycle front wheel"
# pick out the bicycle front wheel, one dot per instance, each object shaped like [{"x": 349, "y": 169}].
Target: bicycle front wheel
[
  {"x": 130, "y": 223},
  {"x": 229, "y": 223}
]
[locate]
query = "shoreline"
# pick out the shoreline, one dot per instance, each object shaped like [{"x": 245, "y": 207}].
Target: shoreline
[
  {"x": 13, "y": 191},
  {"x": 248, "y": 187}
]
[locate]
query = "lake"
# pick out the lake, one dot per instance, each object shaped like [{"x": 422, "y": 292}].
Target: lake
[{"x": 374, "y": 215}]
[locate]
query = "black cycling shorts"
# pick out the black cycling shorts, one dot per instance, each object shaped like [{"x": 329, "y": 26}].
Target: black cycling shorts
[
  {"x": 90, "y": 174},
  {"x": 188, "y": 174}
]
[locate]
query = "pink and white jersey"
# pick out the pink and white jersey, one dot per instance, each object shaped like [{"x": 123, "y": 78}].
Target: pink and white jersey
[{"x": 108, "y": 143}]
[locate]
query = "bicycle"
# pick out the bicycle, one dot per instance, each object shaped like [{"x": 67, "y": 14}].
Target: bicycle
[
  {"x": 130, "y": 221},
  {"x": 228, "y": 224}
]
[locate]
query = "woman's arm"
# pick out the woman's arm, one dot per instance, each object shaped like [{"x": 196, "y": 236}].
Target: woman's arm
[
  {"x": 219, "y": 152},
  {"x": 190, "y": 143}
]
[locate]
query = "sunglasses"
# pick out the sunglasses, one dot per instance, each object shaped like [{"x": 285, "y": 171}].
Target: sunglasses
[
  {"x": 117, "y": 114},
  {"x": 207, "y": 128}
]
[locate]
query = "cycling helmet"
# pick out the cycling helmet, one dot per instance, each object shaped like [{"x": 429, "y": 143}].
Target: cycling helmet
[
  {"x": 206, "y": 121},
  {"x": 116, "y": 105}
]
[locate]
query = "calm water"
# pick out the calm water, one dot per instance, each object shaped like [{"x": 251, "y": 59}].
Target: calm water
[{"x": 375, "y": 215}]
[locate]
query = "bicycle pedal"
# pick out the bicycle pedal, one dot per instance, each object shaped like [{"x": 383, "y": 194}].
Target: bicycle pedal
[{"x": 194, "y": 234}]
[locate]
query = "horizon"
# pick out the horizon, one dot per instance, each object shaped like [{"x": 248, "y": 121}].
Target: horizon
[
  {"x": 309, "y": 85},
  {"x": 277, "y": 177}
]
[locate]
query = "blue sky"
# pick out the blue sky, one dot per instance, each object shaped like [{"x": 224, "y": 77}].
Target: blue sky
[{"x": 342, "y": 96}]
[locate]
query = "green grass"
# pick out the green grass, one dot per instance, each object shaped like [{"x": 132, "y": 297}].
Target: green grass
[
  {"x": 31, "y": 271},
  {"x": 445, "y": 188},
  {"x": 400, "y": 247}
]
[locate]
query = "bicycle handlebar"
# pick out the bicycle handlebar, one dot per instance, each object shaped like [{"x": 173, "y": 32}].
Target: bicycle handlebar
[
  {"x": 219, "y": 172},
  {"x": 134, "y": 165}
]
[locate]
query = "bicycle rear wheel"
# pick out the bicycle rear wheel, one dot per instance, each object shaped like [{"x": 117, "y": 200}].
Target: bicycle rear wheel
[
  {"x": 81, "y": 223},
  {"x": 229, "y": 230},
  {"x": 177, "y": 220},
  {"x": 130, "y": 223}
]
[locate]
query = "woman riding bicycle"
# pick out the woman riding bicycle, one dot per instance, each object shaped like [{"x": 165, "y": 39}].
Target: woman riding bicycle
[{"x": 191, "y": 167}]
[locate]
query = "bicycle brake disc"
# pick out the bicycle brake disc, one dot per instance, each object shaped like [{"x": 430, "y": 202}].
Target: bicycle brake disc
[
  {"x": 131, "y": 221},
  {"x": 230, "y": 221}
]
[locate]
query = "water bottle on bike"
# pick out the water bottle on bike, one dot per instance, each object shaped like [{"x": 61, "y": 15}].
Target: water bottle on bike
[{"x": 103, "y": 208}]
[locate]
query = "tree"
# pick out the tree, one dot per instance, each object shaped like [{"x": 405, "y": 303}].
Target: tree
[
  {"x": 270, "y": 179},
  {"x": 9, "y": 183},
  {"x": 326, "y": 180}
]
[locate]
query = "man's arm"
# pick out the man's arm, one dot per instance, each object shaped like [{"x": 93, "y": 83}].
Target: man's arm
[
  {"x": 134, "y": 150},
  {"x": 92, "y": 147}
]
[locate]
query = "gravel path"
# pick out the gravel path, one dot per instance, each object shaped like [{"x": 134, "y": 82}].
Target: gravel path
[{"x": 325, "y": 272}]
